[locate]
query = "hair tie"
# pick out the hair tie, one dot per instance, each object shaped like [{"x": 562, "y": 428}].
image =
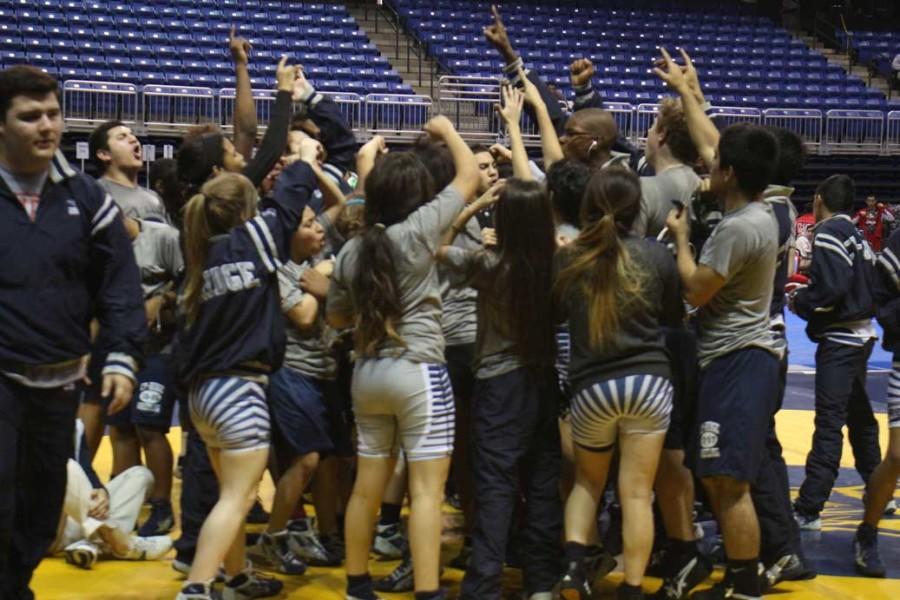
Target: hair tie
[
  {"x": 355, "y": 202},
  {"x": 380, "y": 226}
]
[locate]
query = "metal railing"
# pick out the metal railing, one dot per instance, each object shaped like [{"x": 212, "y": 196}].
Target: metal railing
[
  {"x": 854, "y": 131},
  {"x": 86, "y": 104},
  {"x": 467, "y": 102},
  {"x": 807, "y": 123},
  {"x": 171, "y": 108}
]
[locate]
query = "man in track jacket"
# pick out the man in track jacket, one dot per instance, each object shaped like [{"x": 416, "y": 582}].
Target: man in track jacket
[{"x": 66, "y": 260}]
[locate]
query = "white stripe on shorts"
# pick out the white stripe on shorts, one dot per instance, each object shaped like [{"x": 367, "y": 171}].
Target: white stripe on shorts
[
  {"x": 231, "y": 413},
  {"x": 893, "y": 397},
  {"x": 633, "y": 404}
]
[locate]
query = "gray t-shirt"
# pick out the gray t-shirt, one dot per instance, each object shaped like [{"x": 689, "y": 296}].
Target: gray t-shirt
[
  {"x": 743, "y": 249},
  {"x": 460, "y": 303},
  {"x": 306, "y": 351},
  {"x": 494, "y": 350},
  {"x": 657, "y": 194},
  {"x": 157, "y": 252},
  {"x": 415, "y": 242},
  {"x": 135, "y": 202}
]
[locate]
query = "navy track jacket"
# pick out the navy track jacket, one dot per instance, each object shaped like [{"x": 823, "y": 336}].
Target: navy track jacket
[{"x": 73, "y": 263}]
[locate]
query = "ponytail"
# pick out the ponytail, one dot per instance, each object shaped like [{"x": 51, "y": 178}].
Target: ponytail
[
  {"x": 377, "y": 293},
  {"x": 600, "y": 268},
  {"x": 196, "y": 248}
]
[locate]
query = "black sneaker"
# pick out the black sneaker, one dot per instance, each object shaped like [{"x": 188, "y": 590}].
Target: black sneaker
[
  {"x": 789, "y": 567},
  {"x": 627, "y": 592},
  {"x": 198, "y": 591},
  {"x": 161, "y": 520},
  {"x": 257, "y": 514},
  {"x": 334, "y": 545},
  {"x": 574, "y": 584},
  {"x": 400, "y": 579},
  {"x": 306, "y": 545},
  {"x": 686, "y": 578},
  {"x": 598, "y": 563},
  {"x": 721, "y": 591},
  {"x": 273, "y": 552},
  {"x": 865, "y": 552},
  {"x": 249, "y": 585}
]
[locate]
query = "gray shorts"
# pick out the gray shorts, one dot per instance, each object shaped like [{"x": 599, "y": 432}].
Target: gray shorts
[
  {"x": 631, "y": 405},
  {"x": 403, "y": 404}
]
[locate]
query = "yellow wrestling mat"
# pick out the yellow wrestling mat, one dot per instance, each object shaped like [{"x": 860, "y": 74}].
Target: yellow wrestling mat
[{"x": 118, "y": 580}]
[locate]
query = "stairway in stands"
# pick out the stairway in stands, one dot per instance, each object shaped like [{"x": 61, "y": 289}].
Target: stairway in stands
[
  {"x": 842, "y": 59},
  {"x": 404, "y": 52}
]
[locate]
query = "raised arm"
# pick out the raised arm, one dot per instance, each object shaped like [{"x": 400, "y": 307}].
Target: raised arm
[
  {"x": 275, "y": 141},
  {"x": 467, "y": 177},
  {"x": 699, "y": 283},
  {"x": 245, "y": 122},
  {"x": 473, "y": 208},
  {"x": 511, "y": 113},
  {"x": 703, "y": 131},
  {"x": 335, "y": 132},
  {"x": 365, "y": 159},
  {"x": 550, "y": 147}
]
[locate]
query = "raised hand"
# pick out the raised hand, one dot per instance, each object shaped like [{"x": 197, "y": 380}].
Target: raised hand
[
  {"x": 532, "y": 95},
  {"x": 491, "y": 196},
  {"x": 239, "y": 47},
  {"x": 501, "y": 153},
  {"x": 581, "y": 72},
  {"x": 511, "y": 110},
  {"x": 373, "y": 147},
  {"x": 496, "y": 35},
  {"x": 671, "y": 73},
  {"x": 285, "y": 75},
  {"x": 439, "y": 127},
  {"x": 303, "y": 89}
]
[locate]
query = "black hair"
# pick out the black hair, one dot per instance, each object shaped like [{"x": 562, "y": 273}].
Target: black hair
[
  {"x": 752, "y": 153},
  {"x": 566, "y": 182},
  {"x": 99, "y": 141},
  {"x": 163, "y": 180},
  {"x": 437, "y": 159},
  {"x": 791, "y": 155},
  {"x": 197, "y": 157},
  {"x": 24, "y": 80},
  {"x": 398, "y": 184},
  {"x": 838, "y": 193}
]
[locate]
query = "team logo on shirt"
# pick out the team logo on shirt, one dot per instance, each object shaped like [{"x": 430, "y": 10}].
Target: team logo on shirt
[
  {"x": 72, "y": 208},
  {"x": 709, "y": 440},
  {"x": 230, "y": 277}
]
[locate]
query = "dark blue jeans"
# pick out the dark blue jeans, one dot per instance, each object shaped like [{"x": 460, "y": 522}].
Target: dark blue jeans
[
  {"x": 841, "y": 399},
  {"x": 515, "y": 437},
  {"x": 37, "y": 437}
]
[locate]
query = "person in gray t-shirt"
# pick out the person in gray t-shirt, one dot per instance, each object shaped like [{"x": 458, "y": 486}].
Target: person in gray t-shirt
[
  {"x": 385, "y": 282},
  {"x": 672, "y": 154},
  {"x": 116, "y": 152}
]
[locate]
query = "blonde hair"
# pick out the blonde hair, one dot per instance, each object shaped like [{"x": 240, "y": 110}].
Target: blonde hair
[{"x": 223, "y": 203}]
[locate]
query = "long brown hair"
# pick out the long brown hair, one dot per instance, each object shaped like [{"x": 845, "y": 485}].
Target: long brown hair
[
  {"x": 522, "y": 279},
  {"x": 397, "y": 186},
  {"x": 223, "y": 203},
  {"x": 599, "y": 266}
]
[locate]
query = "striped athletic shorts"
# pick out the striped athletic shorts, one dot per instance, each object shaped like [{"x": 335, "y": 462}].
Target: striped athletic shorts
[
  {"x": 629, "y": 405},
  {"x": 893, "y": 396},
  {"x": 402, "y": 404},
  {"x": 230, "y": 413}
]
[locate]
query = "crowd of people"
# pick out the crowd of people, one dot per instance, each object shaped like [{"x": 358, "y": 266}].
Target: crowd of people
[{"x": 583, "y": 334}]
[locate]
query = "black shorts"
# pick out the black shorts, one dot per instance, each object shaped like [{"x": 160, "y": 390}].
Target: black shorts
[
  {"x": 737, "y": 398},
  {"x": 154, "y": 397},
  {"x": 462, "y": 377},
  {"x": 681, "y": 346}
]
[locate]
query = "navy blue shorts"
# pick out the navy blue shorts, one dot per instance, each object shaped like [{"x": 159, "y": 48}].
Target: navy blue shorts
[
  {"x": 681, "y": 346},
  {"x": 154, "y": 397},
  {"x": 738, "y": 394},
  {"x": 302, "y": 420}
]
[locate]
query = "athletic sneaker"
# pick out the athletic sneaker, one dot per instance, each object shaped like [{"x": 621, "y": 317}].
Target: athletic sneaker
[
  {"x": 688, "y": 576},
  {"x": 183, "y": 566},
  {"x": 400, "y": 579},
  {"x": 574, "y": 584},
  {"x": 334, "y": 545},
  {"x": 198, "y": 591},
  {"x": 807, "y": 522},
  {"x": 273, "y": 551},
  {"x": 891, "y": 507},
  {"x": 257, "y": 514},
  {"x": 389, "y": 542},
  {"x": 789, "y": 567},
  {"x": 251, "y": 584},
  {"x": 627, "y": 592},
  {"x": 161, "y": 520},
  {"x": 305, "y": 544},
  {"x": 83, "y": 554},
  {"x": 147, "y": 548},
  {"x": 865, "y": 552},
  {"x": 598, "y": 563}
]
